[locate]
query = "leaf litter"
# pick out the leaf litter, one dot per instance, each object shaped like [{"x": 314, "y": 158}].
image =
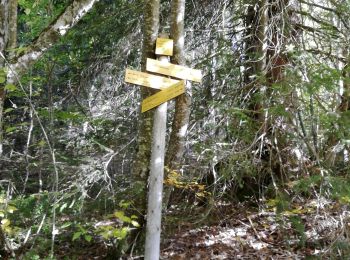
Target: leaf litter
[{"x": 240, "y": 232}]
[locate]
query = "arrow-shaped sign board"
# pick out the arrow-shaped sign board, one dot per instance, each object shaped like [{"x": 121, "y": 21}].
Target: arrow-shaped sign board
[
  {"x": 148, "y": 80},
  {"x": 163, "y": 96},
  {"x": 172, "y": 70}
]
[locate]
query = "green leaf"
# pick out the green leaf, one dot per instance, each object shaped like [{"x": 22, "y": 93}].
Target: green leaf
[
  {"x": 2, "y": 214},
  {"x": 7, "y": 229},
  {"x": 67, "y": 224},
  {"x": 42, "y": 143},
  {"x": 106, "y": 235},
  {"x": 121, "y": 216},
  {"x": 124, "y": 204},
  {"x": 2, "y": 79},
  {"x": 135, "y": 223},
  {"x": 124, "y": 232},
  {"x": 10, "y": 87},
  {"x": 63, "y": 207},
  {"x": 7, "y": 110},
  {"x": 73, "y": 202},
  {"x": 88, "y": 238},
  {"x": 5, "y": 222},
  {"x": 76, "y": 235},
  {"x": 2, "y": 72},
  {"x": 11, "y": 209},
  {"x": 10, "y": 129}
]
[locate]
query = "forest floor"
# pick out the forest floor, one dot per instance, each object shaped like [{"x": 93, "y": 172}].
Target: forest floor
[
  {"x": 309, "y": 229},
  {"x": 317, "y": 229}
]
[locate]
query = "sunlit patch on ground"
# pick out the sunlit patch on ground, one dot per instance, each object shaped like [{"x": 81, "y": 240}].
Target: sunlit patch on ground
[{"x": 264, "y": 235}]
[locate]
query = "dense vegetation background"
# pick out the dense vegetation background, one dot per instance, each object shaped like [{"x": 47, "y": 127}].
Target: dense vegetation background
[{"x": 267, "y": 146}]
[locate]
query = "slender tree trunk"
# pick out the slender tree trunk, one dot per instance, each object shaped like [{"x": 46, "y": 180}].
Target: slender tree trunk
[
  {"x": 333, "y": 154},
  {"x": 182, "y": 106},
  {"x": 3, "y": 44},
  {"x": 267, "y": 32},
  {"x": 255, "y": 21},
  {"x": 3, "y": 28},
  {"x": 345, "y": 98},
  {"x": 141, "y": 165},
  {"x": 143, "y": 155},
  {"x": 12, "y": 42}
]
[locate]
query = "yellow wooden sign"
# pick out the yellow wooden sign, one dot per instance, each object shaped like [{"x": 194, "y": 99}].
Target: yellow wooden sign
[
  {"x": 164, "y": 46},
  {"x": 176, "y": 71},
  {"x": 163, "y": 96},
  {"x": 148, "y": 80}
]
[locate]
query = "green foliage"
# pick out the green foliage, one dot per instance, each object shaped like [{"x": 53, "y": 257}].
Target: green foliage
[
  {"x": 35, "y": 15},
  {"x": 60, "y": 115},
  {"x": 323, "y": 77},
  {"x": 2, "y": 75},
  {"x": 81, "y": 232},
  {"x": 299, "y": 227},
  {"x": 307, "y": 185},
  {"x": 6, "y": 209},
  {"x": 126, "y": 224}
]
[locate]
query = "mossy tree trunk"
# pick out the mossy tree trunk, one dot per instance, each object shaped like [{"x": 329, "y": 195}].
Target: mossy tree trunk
[
  {"x": 143, "y": 154},
  {"x": 182, "y": 106},
  {"x": 254, "y": 74},
  {"x": 141, "y": 165},
  {"x": 267, "y": 31},
  {"x": 3, "y": 44}
]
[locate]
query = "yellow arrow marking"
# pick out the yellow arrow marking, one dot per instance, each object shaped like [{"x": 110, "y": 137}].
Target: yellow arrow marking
[
  {"x": 176, "y": 71},
  {"x": 148, "y": 80},
  {"x": 163, "y": 96},
  {"x": 164, "y": 46}
]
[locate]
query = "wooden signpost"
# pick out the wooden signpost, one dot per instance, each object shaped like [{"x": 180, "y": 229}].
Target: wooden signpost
[
  {"x": 148, "y": 80},
  {"x": 163, "y": 96},
  {"x": 169, "y": 89},
  {"x": 164, "y": 46},
  {"x": 172, "y": 70}
]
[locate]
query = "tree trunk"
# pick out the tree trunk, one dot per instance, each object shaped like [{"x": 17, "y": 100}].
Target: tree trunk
[
  {"x": 182, "y": 106},
  {"x": 255, "y": 22},
  {"x": 12, "y": 41},
  {"x": 3, "y": 44},
  {"x": 142, "y": 158},
  {"x": 267, "y": 30},
  {"x": 150, "y": 32}
]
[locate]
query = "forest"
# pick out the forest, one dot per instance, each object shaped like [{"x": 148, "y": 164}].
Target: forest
[{"x": 247, "y": 157}]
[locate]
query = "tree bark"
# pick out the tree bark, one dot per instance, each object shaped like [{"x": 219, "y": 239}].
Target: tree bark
[
  {"x": 182, "y": 106},
  {"x": 255, "y": 21},
  {"x": 3, "y": 43},
  {"x": 141, "y": 162},
  {"x": 150, "y": 33},
  {"x": 12, "y": 41}
]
